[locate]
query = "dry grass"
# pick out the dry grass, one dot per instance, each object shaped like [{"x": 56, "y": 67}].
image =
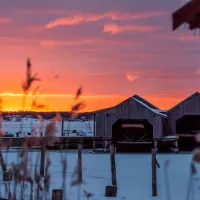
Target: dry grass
[{"x": 22, "y": 176}]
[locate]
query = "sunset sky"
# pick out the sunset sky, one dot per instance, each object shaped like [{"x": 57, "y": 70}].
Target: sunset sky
[{"x": 113, "y": 48}]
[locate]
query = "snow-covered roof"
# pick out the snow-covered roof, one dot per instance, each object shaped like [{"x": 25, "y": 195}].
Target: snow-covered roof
[
  {"x": 155, "y": 110},
  {"x": 142, "y": 101},
  {"x": 163, "y": 111}
]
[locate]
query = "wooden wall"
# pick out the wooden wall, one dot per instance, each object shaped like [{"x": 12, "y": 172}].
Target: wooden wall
[
  {"x": 190, "y": 106},
  {"x": 129, "y": 109}
]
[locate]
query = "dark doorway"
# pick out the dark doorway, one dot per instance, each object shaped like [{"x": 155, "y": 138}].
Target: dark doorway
[
  {"x": 130, "y": 134},
  {"x": 188, "y": 124},
  {"x": 186, "y": 128}
]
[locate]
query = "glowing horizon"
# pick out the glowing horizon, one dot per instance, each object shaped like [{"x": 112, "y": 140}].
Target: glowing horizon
[
  {"x": 90, "y": 101},
  {"x": 114, "y": 50},
  {"x": 55, "y": 98}
]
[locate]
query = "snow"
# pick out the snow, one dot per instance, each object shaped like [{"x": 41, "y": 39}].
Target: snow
[
  {"x": 133, "y": 174},
  {"x": 133, "y": 169},
  {"x": 157, "y": 111},
  {"x": 171, "y": 137}
]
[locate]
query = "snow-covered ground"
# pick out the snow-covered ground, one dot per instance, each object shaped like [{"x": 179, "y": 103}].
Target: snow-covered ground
[
  {"x": 86, "y": 127},
  {"x": 133, "y": 170},
  {"x": 133, "y": 174}
]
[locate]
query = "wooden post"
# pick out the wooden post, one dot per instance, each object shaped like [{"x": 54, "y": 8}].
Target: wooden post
[
  {"x": 154, "y": 181},
  {"x": 94, "y": 125},
  {"x": 106, "y": 145},
  {"x": 94, "y": 145},
  {"x": 111, "y": 191},
  {"x": 62, "y": 127},
  {"x": 176, "y": 144},
  {"x": 57, "y": 194},
  {"x": 42, "y": 157},
  {"x": 3, "y": 165},
  {"x": 7, "y": 176},
  {"x": 155, "y": 144},
  {"x": 113, "y": 166},
  {"x": 103, "y": 144},
  {"x": 80, "y": 178}
]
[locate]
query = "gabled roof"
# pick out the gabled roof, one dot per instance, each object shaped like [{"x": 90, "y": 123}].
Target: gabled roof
[
  {"x": 141, "y": 101},
  {"x": 104, "y": 109},
  {"x": 184, "y": 101},
  {"x": 110, "y": 108},
  {"x": 150, "y": 107},
  {"x": 188, "y": 13},
  {"x": 144, "y": 101}
]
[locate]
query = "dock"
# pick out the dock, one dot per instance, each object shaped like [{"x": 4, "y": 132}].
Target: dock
[{"x": 63, "y": 142}]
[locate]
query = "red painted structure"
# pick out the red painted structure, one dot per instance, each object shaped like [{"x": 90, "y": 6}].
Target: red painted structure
[{"x": 189, "y": 13}]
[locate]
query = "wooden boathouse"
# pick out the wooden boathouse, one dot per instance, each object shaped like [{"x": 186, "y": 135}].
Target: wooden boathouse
[
  {"x": 133, "y": 121},
  {"x": 184, "y": 120}
]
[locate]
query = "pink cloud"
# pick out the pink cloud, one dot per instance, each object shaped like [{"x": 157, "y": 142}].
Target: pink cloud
[
  {"x": 4, "y": 20},
  {"x": 52, "y": 43},
  {"x": 198, "y": 71},
  {"x": 114, "y": 28},
  {"x": 92, "y": 17},
  {"x": 131, "y": 77}
]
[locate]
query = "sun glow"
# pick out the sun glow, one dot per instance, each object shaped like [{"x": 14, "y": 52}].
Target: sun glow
[
  {"x": 64, "y": 102},
  {"x": 57, "y": 102}
]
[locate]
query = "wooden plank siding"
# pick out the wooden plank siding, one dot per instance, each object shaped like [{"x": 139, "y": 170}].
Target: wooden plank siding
[
  {"x": 129, "y": 109},
  {"x": 186, "y": 14},
  {"x": 190, "y": 106}
]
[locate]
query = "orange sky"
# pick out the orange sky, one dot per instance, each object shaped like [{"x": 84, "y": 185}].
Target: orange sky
[
  {"x": 114, "y": 50},
  {"x": 64, "y": 102}
]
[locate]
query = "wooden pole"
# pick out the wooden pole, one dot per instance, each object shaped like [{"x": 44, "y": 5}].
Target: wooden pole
[
  {"x": 155, "y": 144},
  {"x": 94, "y": 145},
  {"x": 80, "y": 178},
  {"x": 42, "y": 158},
  {"x": 113, "y": 166},
  {"x": 103, "y": 144},
  {"x": 57, "y": 194},
  {"x": 3, "y": 165},
  {"x": 154, "y": 181},
  {"x": 176, "y": 144},
  {"x": 62, "y": 127},
  {"x": 111, "y": 191},
  {"x": 94, "y": 125}
]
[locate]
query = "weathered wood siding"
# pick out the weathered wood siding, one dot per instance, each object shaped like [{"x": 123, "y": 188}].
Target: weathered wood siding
[
  {"x": 189, "y": 107},
  {"x": 129, "y": 109}
]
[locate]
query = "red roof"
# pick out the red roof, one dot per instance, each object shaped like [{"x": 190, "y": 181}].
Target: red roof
[{"x": 189, "y": 13}]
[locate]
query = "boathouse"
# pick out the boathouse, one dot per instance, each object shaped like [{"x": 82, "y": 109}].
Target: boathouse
[
  {"x": 184, "y": 119},
  {"x": 134, "y": 120}
]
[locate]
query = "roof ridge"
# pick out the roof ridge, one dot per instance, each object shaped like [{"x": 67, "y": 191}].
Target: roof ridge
[
  {"x": 184, "y": 100},
  {"x": 145, "y": 101},
  {"x": 154, "y": 110}
]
